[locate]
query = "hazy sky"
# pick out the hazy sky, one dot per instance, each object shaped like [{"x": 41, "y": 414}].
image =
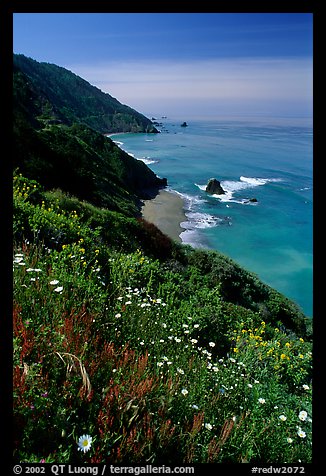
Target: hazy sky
[{"x": 182, "y": 63}]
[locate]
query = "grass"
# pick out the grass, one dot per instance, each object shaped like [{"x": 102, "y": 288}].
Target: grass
[{"x": 142, "y": 354}]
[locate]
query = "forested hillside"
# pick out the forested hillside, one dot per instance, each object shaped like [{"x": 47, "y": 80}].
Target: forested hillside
[{"x": 72, "y": 99}]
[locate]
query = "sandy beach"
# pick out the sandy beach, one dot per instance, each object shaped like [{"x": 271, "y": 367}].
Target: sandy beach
[{"x": 166, "y": 212}]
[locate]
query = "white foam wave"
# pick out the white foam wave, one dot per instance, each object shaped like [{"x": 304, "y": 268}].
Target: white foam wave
[
  {"x": 190, "y": 200},
  {"x": 192, "y": 237},
  {"x": 148, "y": 160},
  {"x": 119, "y": 143},
  {"x": 201, "y": 220},
  {"x": 232, "y": 186}
]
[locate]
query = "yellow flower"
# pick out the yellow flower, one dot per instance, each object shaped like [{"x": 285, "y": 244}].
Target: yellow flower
[
  {"x": 301, "y": 356},
  {"x": 283, "y": 356},
  {"x": 288, "y": 344},
  {"x": 235, "y": 349}
]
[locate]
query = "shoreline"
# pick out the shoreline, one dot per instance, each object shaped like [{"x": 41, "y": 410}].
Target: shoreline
[{"x": 166, "y": 211}]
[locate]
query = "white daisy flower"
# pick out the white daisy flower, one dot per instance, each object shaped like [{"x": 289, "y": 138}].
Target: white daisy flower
[
  {"x": 301, "y": 433},
  {"x": 261, "y": 400},
  {"x": 282, "y": 417},
  {"x": 184, "y": 391},
  {"x": 59, "y": 289},
  {"x": 54, "y": 282},
  {"x": 303, "y": 415},
  {"x": 85, "y": 443},
  {"x": 208, "y": 426}
]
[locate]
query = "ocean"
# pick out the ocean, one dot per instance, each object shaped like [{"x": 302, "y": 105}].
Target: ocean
[{"x": 264, "y": 221}]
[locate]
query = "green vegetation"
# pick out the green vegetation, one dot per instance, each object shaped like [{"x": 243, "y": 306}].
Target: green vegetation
[
  {"x": 129, "y": 347},
  {"x": 143, "y": 345}
]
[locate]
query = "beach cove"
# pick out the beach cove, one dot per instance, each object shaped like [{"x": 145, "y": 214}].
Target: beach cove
[{"x": 166, "y": 211}]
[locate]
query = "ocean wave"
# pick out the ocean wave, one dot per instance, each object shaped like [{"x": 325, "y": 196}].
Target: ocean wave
[
  {"x": 118, "y": 142},
  {"x": 203, "y": 220},
  {"x": 193, "y": 238},
  {"x": 233, "y": 186},
  {"x": 190, "y": 200},
  {"x": 148, "y": 160}
]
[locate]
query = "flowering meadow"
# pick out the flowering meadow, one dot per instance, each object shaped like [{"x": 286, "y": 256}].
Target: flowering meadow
[{"x": 123, "y": 355}]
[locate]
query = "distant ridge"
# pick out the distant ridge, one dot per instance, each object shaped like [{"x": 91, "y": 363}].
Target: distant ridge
[{"x": 78, "y": 101}]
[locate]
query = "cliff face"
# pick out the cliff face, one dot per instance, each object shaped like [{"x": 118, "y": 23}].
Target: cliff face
[{"x": 54, "y": 144}]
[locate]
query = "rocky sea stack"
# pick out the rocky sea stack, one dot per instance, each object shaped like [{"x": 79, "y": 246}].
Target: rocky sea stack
[{"x": 214, "y": 187}]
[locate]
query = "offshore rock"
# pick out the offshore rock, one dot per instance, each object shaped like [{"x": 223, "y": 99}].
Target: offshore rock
[{"x": 214, "y": 187}]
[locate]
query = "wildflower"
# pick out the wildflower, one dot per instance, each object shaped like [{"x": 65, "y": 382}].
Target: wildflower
[
  {"x": 289, "y": 440},
  {"x": 54, "y": 282},
  {"x": 282, "y": 417},
  {"x": 58, "y": 289},
  {"x": 305, "y": 387},
  {"x": 118, "y": 315},
  {"x": 211, "y": 344},
  {"x": 194, "y": 341},
  {"x": 84, "y": 443},
  {"x": 261, "y": 400},
  {"x": 301, "y": 433},
  {"x": 303, "y": 415},
  {"x": 184, "y": 391},
  {"x": 195, "y": 407},
  {"x": 180, "y": 371},
  {"x": 18, "y": 259},
  {"x": 249, "y": 385},
  {"x": 208, "y": 426}
]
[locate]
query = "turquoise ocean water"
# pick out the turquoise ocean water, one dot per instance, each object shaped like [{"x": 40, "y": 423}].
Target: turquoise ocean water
[{"x": 270, "y": 160}]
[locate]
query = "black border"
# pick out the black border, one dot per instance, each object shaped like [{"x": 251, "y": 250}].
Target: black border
[{"x": 7, "y": 9}]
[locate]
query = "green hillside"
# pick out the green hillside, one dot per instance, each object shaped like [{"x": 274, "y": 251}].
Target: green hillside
[
  {"x": 72, "y": 99},
  {"x": 130, "y": 347}
]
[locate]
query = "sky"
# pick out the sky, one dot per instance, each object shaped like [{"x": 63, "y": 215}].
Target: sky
[{"x": 184, "y": 64}]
